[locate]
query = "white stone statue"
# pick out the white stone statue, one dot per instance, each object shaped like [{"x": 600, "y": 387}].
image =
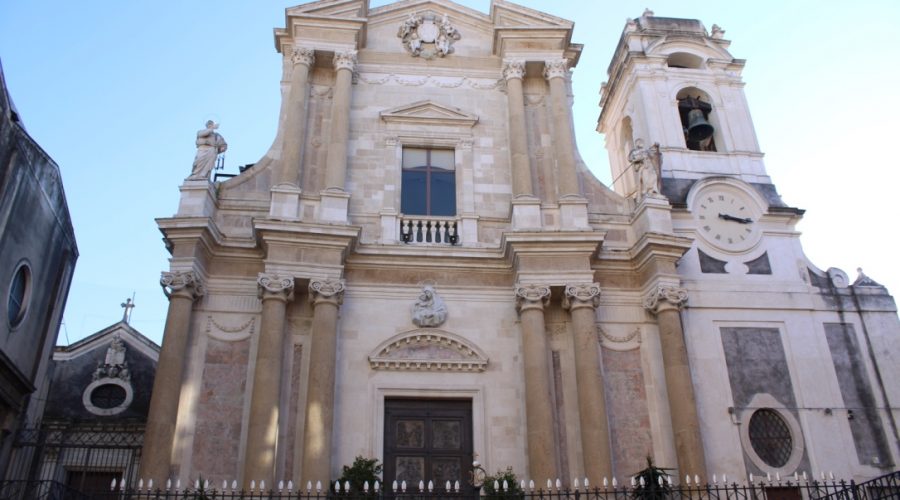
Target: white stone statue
[
  {"x": 115, "y": 354},
  {"x": 209, "y": 145},
  {"x": 429, "y": 309},
  {"x": 646, "y": 162}
]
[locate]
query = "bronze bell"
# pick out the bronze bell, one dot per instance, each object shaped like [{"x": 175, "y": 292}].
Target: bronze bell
[{"x": 698, "y": 128}]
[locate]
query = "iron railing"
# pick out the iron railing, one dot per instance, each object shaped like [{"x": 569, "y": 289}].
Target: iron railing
[{"x": 883, "y": 488}]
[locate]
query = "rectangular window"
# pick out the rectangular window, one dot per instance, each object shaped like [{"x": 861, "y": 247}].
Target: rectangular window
[{"x": 428, "y": 185}]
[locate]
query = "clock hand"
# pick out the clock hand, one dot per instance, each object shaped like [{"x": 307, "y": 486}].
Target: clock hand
[{"x": 735, "y": 219}]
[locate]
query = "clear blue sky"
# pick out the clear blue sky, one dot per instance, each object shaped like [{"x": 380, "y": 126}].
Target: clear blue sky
[{"x": 114, "y": 91}]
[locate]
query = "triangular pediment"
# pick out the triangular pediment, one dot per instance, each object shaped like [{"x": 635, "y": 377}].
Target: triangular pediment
[
  {"x": 133, "y": 340},
  {"x": 397, "y": 11},
  {"x": 508, "y": 14},
  {"x": 429, "y": 113},
  {"x": 331, "y": 8},
  {"x": 428, "y": 349}
]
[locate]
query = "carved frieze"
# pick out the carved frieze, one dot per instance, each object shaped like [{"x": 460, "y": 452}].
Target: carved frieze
[
  {"x": 230, "y": 333},
  {"x": 428, "y": 350}
]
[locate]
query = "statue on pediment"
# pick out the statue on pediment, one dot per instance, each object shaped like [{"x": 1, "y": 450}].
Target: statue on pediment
[
  {"x": 646, "y": 163},
  {"x": 210, "y": 144}
]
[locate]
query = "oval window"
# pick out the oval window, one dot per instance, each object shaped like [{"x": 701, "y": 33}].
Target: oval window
[
  {"x": 108, "y": 396},
  {"x": 770, "y": 437},
  {"x": 19, "y": 291}
]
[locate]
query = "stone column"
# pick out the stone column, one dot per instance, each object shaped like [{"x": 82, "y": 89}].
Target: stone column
[
  {"x": 514, "y": 73},
  {"x": 530, "y": 302},
  {"x": 336, "y": 165},
  {"x": 182, "y": 289},
  {"x": 555, "y": 71},
  {"x": 295, "y": 119},
  {"x": 262, "y": 427},
  {"x": 665, "y": 302},
  {"x": 581, "y": 301},
  {"x": 326, "y": 296}
]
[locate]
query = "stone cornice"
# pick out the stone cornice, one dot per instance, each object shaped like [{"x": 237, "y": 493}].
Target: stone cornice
[
  {"x": 428, "y": 349},
  {"x": 658, "y": 245}
]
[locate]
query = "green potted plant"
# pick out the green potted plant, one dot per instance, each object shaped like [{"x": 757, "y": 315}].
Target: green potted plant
[{"x": 363, "y": 470}]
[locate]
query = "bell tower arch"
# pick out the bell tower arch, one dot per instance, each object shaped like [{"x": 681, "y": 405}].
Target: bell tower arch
[{"x": 673, "y": 82}]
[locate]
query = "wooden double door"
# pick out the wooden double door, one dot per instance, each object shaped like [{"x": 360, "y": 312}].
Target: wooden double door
[{"x": 428, "y": 440}]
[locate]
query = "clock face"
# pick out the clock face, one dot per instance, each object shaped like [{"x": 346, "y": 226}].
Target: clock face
[{"x": 727, "y": 219}]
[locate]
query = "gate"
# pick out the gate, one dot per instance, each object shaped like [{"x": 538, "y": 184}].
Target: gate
[{"x": 82, "y": 458}]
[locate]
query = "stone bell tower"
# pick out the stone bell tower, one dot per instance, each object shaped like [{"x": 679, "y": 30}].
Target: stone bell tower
[{"x": 674, "y": 83}]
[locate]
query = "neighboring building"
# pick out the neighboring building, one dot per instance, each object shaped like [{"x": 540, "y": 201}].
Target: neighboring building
[
  {"x": 422, "y": 269},
  {"x": 91, "y": 430},
  {"x": 37, "y": 258}
]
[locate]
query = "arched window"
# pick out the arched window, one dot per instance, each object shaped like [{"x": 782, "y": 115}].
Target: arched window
[
  {"x": 695, "y": 111},
  {"x": 684, "y": 60}
]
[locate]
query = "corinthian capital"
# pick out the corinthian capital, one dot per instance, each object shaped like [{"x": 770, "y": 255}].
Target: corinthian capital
[
  {"x": 665, "y": 297},
  {"x": 513, "y": 68},
  {"x": 556, "y": 68},
  {"x": 532, "y": 297},
  {"x": 272, "y": 286},
  {"x": 582, "y": 295},
  {"x": 303, "y": 55},
  {"x": 181, "y": 284},
  {"x": 326, "y": 290},
  {"x": 345, "y": 60}
]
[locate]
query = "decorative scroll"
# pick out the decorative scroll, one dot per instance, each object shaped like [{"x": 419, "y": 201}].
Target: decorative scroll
[
  {"x": 513, "y": 68},
  {"x": 556, "y": 68},
  {"x": 665, "y": 296},
  {"x": 272, "y": 286},
  {"x": 532, "y": 297},
  {"x": 330, "y": 290},
  {"x": 181, "y": 283},
  {"x": 344, "y": 60},
  {"x": 428, "y": 350},
  {"x": 582, "y": 295},
  {"x": 303, "y": 55}
]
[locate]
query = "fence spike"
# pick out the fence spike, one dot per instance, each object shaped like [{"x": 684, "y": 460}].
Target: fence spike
[
  {"x": 669, "y": 479},
  {"x": 122, "y": 484},
  {"x": 575, "y": 483},
  {"x": 456, "y": 486},
  {"x": 252, "y": 485},
  {"x": 496, "y": 485},
  {"x": 642, "y": 482},
  {"x": 505, "y": 485},
  {"x": 150, "y": 484},
  {"x": 197, "y": 484},
  {"x": 421, "y": 485},
  {"x": 751, "y": 478},
  {"x": 346, "y": 486},
  {"x": 558, "y": 484},
  {"x": 804, "y": 477},
  {"x": 586, "y": 484},
  {"x": 615, "y": 482},
  {"x": 522, "y": 485},
  {"x": 234, "y": 484},
  {"x": 280, "y": 485},
  {"x": 768, "y": 477},
  {"x": 715, "y": 481},
  {"x": 549, "y": 485},
  {"x": 366, "y": 486},
  {"x": 290, "y": 485},
  {"x": 169, "y": 484},
  {"x": 430, "y": 486},
  {"x": 318, "y": 486},
  {"x": 141, "y": 483},
  {"x": 178, "y": 484},
  {"x": 633, "y": 482},
  {"x": 206, "y": 484},
  {"x": 605, "y": 482},
  {"x": 224, "y": 484},
  {"x": 831, "y": 475},
  {"x": 403, "y": 486},
  {"x": 725, "y": 479},
  {"x": 822, "y": 475},
  {"x": 796, "y": 477},
  {"x": 112, "y": 487},
  {"x": 687, "y": 479},
  {"x": 377, "y": 486},
  {"x": 395, "y": 486},
  {"x": 531, "y": 484},
  {"x": 262, "y": 485},
  {"x": 696, "y": 479},
  {"x": 447, "y": 486},
  {"x": 337, "y": 486},
  {"x": 659, "y": 480}
]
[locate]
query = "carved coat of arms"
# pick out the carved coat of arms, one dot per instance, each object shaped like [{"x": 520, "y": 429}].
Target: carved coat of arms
[{"x": 425, "y": 37}]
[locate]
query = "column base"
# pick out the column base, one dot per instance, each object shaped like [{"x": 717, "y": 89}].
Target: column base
[
  {"x": 198, "y": 199},
  {"x": 573, "y": 213},
  {"x": 526, "y": 213},
  {"x": 285, "y": 204},
  {"x": 334, "y": 206}
]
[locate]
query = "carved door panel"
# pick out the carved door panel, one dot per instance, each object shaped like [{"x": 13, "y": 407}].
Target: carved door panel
[{"x": 427, "y": 440}]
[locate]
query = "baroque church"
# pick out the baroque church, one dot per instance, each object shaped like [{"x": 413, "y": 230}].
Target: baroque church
[{"x": 422, "y": 269}]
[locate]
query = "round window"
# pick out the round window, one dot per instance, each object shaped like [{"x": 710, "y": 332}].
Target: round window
[
  {"x": 770, "y": 437},
  {"x": 108, "y": 396},
  {"x": 19, "y": 291}
]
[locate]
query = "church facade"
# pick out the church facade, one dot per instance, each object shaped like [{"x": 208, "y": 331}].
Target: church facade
[{"x": 422, "y": 270}]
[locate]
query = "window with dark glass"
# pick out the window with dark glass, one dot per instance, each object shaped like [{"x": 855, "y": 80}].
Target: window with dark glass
[
  {"x": 17, "y": 301},
  {"x": 428, "y": 186},
  {"x": 770, "y": 437}
]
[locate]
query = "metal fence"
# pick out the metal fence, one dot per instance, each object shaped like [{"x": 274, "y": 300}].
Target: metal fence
[{"x": 882, "y": 488}]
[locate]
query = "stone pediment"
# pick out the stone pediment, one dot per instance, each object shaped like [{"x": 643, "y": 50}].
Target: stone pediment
[
  {"x": 331, "y": 8},
  {"x": 428, "y": 349},
  {"x": 520, "y": 29},
  {"x": 508, "y": 14},
  {"x": 429, "y": 113}
]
